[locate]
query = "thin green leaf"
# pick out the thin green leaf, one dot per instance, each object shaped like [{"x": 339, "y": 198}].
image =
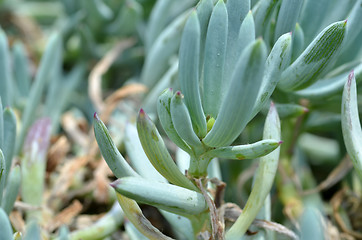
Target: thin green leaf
[
  {"x": 164, "y": 115},
  {"x": 182, "y": 121},
  {"x": 6, "y": 83},
  {"x": 248, "y": 151},
  {"x": 12, "y": 189},
  {"x": 215, "y": 50},
  {"x": 134, "y": 215},
  {"x": 287, "y": 17},
  {"x": 351, "y": 128},
  {"x": 110, "y": 153},
  {"x": 5, "y": 226},
  {"x": 306, "y": 69},
  {"x": 263, "y": 181},
  {"x": 189, "y": 57},
  {"x": 10, "y": 136},
  {"x": 238, "y": 104},
  {"x": 183, "y": 201},
  {"x": 277, "y": 61},
  {"x": 157, "y": 153}
]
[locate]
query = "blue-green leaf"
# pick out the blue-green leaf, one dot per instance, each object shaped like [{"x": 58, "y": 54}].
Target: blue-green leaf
[
  {"x": 10, "y": 136},
  {"x": 21, "y": 69},
  {"x": 215, "y": 49},
  {"x": 287, "y": 17},
  {"x": 182, "y": 121},
  {"x": 263, "y": 181},
  {"x": 32, "y": 231},
  {"x": 6, "y": 83},
  {"x": 183, "y": 201},
  {"x": 110, "y": 153},
  {"x": 12, "y": 189},
  {"x": 351, "y": 127},
  {"x": 237, "y": 106},
  {"x": 263, "y": 12},
  {"x": 298, "y": 41},
  {"x": 189, "y": 73},
  {"x": 5, "y": 226},
  {"x": 157, "y": 153},
  {"x": 247, "y": 151},
  {"x": 306, "y": 69},
  {"x": 2, "y": 174}
]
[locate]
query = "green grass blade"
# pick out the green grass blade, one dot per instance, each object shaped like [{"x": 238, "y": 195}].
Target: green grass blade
[
  {"x": 351, "y": 128},
  {"x": 215, "y": 50},
  {"x": 314, "y": 61},
  {"x": 164, "y": 115},
  {"x": 263, "y": 181},
  {"x": 12, "y": 189},
  {"x": 238, "y": 104},
  {"x": 248, "y": 151},
  {"x": 189, "y": 57},
  {"x": 110, "y": 153},
  {"x": 182, "y": 121},
  {"x": 183, "y": 201},
  {"x": 158, "y": 154}
]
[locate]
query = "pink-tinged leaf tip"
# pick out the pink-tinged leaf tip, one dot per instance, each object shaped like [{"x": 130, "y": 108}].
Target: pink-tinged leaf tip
[
  {"x": 345, "y": 22},
  {"x": 305, "y": 110},
  {"x": 280, "y": 142},
  {"x": 350, "y": 77},
  {"x": 142, "y": 112},
  {"x": 115, "y": 183},
  {"x": 95, "y": 116}
]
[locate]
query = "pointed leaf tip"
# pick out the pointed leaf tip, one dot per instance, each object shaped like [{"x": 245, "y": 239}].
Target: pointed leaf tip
[
  {"x": 115, "y": 183},
  {"x": 280, "y": 142},
  {"x": 350, "y": 77},
  {"x": 142, "y": 112},
  {"x": 95, "y": 116}
]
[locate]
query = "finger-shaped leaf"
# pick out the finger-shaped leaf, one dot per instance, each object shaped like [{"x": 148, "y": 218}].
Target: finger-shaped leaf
[
  {"x": 157, "y": 153},
  {"x": 263, "y": 12},
  {"x": 183, "y": 201},
  {"x": 306, "y": 69},
  {"x": 180, "y": 225},
  {"x": 277, "y": 61},
  {"x": 244, "y": 37},
  {"x": 22, "y": 72},
  {"x": 290, "y": 110},
  {"x": 9, "y": 135},
  {"x": 204, "y": 9},
  {"x": 287, "y": 17},
  {"x": 138, "y": 157},
  {"x": 164, "y": 115},
  {"x": 248, "y": 151},
  {"x": 2, "y": 174},
  {"x": 1, "y": 125},
  {"x": 165, "y": 46},
  {"x": 182, "y": 121},
  {"x": 32, "y": 231},
  {"x": 238, "y": 104},
  {"x": 263, "y": 181},
  {"x": 329, "y": 86},
  {"x": 298, "y": 41},
  {"x": 189, "y": 58},
  {"x": 237, "y": 11},
  {"x": 313, "y": 12},
  {"x": 47, "y": 67},
  {"x": 110, "y": 153},
  {"x": 215, "y": 50},
  {"x": 351, "y": 128},
  {"x": 6, "y": 83},
  {"x": 12, "y": 189},
  {"x": 5, "y": 226},
  {"x": 134, "y": 215}
]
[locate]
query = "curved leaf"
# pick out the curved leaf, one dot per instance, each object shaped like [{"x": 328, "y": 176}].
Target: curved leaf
[
  {"x": 5, "y": 226},
  {"x": 110, "y": 153},
  {"x": 157, "y": 153},
  {"x": 183, "y": 201},
  {"x": 238, "y": 104},
  {"x": 189, "y": 57},
  {"x": 351, "y": 127},
  {"x": 287, "y": 17},
  {"x": 12, "y": 189},
  {"x": 306, "y": 69},
  {"x": 297, "y": 41}
]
